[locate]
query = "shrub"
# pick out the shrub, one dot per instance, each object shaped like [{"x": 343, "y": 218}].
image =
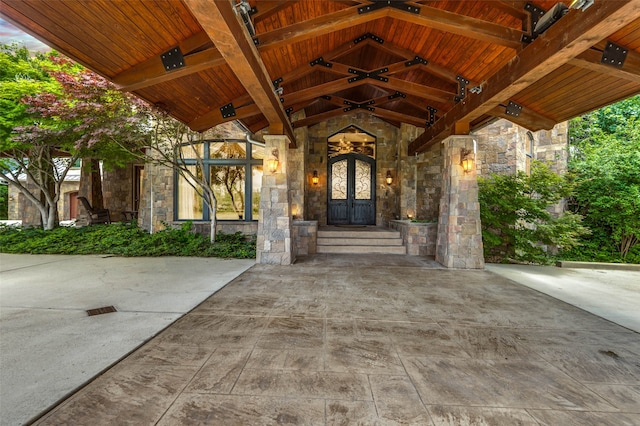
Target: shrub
[
  {"x": 516, "y": 222},
  {"x": 125, "y": 240}
]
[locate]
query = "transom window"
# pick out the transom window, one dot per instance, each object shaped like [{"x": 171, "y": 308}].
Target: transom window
[{"x": 233, "y": 168}]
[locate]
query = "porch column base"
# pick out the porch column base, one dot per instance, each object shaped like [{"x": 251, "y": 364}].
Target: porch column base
[
  {"x": 275, "y": 222},
  {"x": 459, "y": 241}
]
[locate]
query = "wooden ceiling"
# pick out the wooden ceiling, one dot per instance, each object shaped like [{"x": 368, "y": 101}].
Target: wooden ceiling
[{"x": 445, "y": 66}]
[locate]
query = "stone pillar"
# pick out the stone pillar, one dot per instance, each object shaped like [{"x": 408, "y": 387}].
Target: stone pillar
[
  {"x": 459, "y": 243},
  {"x": 274, "y": 225}
]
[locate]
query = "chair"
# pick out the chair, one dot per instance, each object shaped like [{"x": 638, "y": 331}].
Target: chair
[{"x": 95, "y": 215}]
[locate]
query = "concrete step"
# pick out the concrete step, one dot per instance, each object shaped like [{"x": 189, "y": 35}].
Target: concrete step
[
  {"x": 324, "y": 241},
  {"x": 358, "y": 234},
  {"x": 362, "y": 249}
]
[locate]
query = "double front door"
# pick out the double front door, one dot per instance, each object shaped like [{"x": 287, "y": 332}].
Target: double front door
[{"x": 352, "y": 190}]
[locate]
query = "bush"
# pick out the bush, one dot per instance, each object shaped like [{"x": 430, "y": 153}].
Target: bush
[
  {"x": 125, "y": 240},
  {"x": 516, "y": 222}
]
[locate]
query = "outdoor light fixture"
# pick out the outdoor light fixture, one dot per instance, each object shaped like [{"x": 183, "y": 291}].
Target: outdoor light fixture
[
  {"x": 272, "y": 162},
  {"x": 465, "y": 160},
  {"x": 389, "y": 177},
  {"x": 315, "y": 177}
]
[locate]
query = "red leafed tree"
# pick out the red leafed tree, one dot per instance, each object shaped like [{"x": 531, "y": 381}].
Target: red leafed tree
[{"x": 85, "y": 116}]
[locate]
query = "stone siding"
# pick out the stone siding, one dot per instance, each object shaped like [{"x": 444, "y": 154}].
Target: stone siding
[
  {"x": 429, "y": 183},
  {"x": 419, "y": 238},
  {"x": 305, "y": 237}
]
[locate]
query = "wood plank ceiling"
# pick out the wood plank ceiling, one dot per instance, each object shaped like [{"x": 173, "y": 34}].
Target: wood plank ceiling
[{"x": 445, "y": 66}]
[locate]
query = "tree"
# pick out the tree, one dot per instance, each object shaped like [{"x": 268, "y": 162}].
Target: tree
[
  {"x": 605, "y": 162},
  {"x": 170, "y": 144},
  {"x": 516, "y": 222},
  {"x": 70, "y": 113}
]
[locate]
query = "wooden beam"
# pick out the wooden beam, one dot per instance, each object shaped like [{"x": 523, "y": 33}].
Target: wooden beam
[
  {"x": 318, "y": 118},
  {"x": 152, "y": 71},
  {"x": 572, "y": 35},
  {"x": 528, "y": 118},
  {"x": 214, "y": 117},
  {"x": 220, "y": 21},
  {"x": 432, "y": 17},
  {"x": 466, "y": 26},
  {"x": 265, "y": 9},
  {"x": 590, "y": 60}
]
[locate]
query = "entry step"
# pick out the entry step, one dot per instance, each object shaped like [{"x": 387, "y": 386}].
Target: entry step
[{"x": 365, "y": 240}]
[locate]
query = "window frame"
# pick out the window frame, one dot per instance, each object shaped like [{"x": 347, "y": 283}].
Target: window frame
[{"x": 248, "y": 162}]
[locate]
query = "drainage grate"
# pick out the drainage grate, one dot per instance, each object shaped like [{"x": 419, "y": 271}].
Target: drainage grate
[{"x": 100, "y": 311}]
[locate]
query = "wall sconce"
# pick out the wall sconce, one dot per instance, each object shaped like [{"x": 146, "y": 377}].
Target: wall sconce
[
  {"x": 389, "y": 177},
  {"x": 315, "y": 179},
  {"x": 272, "y": 162},
  {"x": 465, "y": 160}
]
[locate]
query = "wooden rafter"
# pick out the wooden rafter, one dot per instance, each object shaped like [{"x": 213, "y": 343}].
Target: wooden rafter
[
  {"x": 220, "y": 22},
  {"x": 571, "y": 36},
  {"x": 591, "y": 60},
  {"x": 429, "y": 16},
  {"x": 266, "y": 9},
  {"x": 527, "y": 118}
]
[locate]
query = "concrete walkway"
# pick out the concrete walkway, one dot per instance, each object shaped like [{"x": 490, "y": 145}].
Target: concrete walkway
[
  {"x": 610, "y": 294},
  {"x": 372, "y": 340},
  {"x": 49, "y": 346}
]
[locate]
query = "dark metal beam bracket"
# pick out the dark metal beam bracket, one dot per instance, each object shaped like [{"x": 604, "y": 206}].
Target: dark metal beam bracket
[
  {"x": 375, "y": 75},
  {"x": 366, "y": 36},
  {"x": 432, "y": 116},
  {"x": 415, "y": 61},
  {"x": 535, "y": 13},
  {"x": 397, "y": 95},
  {"x": 379, "y": 4},
  {"x": 321, "y": 61},
  {"x": 228, "y": 111},
  {"x": 614, "y": 55},
  {"x": 513, "y": 109},
  {"x": 462, "y": 88},
  {"x": 172, "y": 59}
]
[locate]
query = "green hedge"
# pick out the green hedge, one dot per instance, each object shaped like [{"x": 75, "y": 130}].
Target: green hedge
[{"x": 125, "y": 240}]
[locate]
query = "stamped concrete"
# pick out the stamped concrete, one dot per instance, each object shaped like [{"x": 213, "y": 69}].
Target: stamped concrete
[
  {"x": 49, "y": 346},
  {"x": 387, "y": 341}
]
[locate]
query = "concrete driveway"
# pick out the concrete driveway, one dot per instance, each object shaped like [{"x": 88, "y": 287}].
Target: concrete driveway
[{"x": 49, "y": 346}]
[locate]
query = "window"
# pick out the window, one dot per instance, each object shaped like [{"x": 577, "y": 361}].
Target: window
[{"x": 233, "y": 169}]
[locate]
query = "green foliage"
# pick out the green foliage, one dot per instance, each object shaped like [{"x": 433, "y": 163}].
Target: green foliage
[
  {"x": 125, "y": 240},
  {"x": 4, "y": 202},
  {"x": 606, "y": 165},
  {"x": 516, "y": 222}
]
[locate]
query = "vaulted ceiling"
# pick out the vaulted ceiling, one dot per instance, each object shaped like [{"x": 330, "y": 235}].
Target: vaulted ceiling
[{"x": 445, "y": 66}]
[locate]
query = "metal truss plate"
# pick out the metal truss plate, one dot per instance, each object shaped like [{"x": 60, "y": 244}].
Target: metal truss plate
[
  {"x": 397, "y": 95},
  {"x": 370, "y": 36},
  {"x": 379, "y": 4},
  {"x": 172, "y": 59},
  {"x": 535, "y": 13},
  {"x": 462, "y": 88},
  {"x": 277, "y": 82},
  {"x": 432, "y": 115},
  {"x": 320, "y": 61},
  {"x": 375, "y": 75},
  {"x": 614, "y": 55},
  {"x": 513, "y": 109},
  {"x": 228, "y": 111},
  {"x": 415, "y": 61}
]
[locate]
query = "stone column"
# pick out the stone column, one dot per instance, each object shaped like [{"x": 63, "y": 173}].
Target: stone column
[
  {"x": 459, "y": 242},
  {"x": 274, "y": 225}
]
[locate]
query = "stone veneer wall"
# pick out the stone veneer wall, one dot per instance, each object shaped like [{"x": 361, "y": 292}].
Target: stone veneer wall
[
  {"x": 305, "y": 237},
  {"x": 117, "y": 190},
  {"x": 407, "y": 171},
  {"x": 419, "y": 238},
  {"x": 429, "y": 183},
  {"x": 156, "y": 197},
  {"x": 459, "y": 242},
  {"x": 502, "y": 147},
  {"x": 299, "y": 177},
  {"x": 387, "y": 196},
  {"x": 21, "y": 208}
]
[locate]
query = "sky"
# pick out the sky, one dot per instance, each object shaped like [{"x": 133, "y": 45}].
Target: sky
[{"x": 10, "y": 34}]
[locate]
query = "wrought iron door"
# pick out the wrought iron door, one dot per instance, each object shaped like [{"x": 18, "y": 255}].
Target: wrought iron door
[{"x": 352, "y": 190}]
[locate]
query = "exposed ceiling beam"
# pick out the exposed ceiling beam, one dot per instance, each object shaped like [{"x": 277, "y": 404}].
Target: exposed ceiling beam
[
  {"x": 573, "y": 34},
  {"x": 220, "y": 21},
  {"x": 466, "y": 26},
  {"x": 527, "y": 118},
  {"x": 591, "y": 60},
  {"x": 214, "y": 117},
  {"x": 265, "y": 9},
  {"x": 151, "y": 71},
  {"x": 324, "y": 116},
  {"x": 429, "y": 16}
]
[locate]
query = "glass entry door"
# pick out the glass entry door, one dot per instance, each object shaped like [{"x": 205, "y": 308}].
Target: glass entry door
[{"x": 352, "y": 190}]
